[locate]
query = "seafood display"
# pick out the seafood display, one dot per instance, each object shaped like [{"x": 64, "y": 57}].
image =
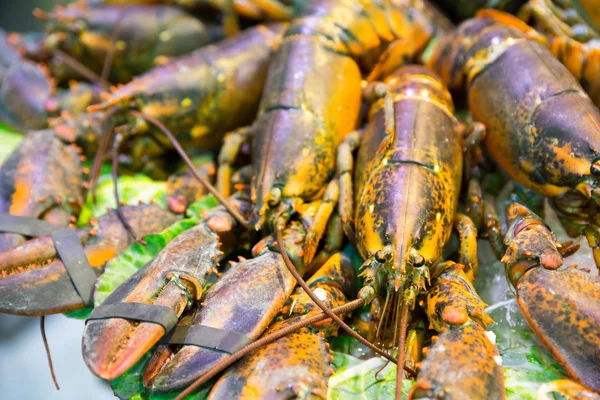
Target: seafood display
[{"x": 329, "y": 171}]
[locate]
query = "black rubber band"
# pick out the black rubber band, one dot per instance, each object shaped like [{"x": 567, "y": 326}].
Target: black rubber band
[
  {"x": 154, "y": 313},
  {"x": 208, "y": 337},
  {"x": 78, "y": 267},
  {"x": 67, "y": 245},
  {"x": 27, "y": 226}
]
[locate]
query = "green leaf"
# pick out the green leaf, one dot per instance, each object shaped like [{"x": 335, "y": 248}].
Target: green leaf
[
  {"x": 132, "y": 190},
  {"x": 9, "y": 139},
  {"x": 129, "y": 386},
  {"x": 355, "y": 379},
  {"x": 527, "y": 365},
  {"x": 195, "y": 210}
]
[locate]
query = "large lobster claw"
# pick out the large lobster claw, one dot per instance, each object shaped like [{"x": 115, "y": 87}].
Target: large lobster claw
[
  {"x": 243, "y": 301},
  {"x": 562, "y": 305},
  {"x": 173, "y": 281},
  {"x": 33, "y": 281}
]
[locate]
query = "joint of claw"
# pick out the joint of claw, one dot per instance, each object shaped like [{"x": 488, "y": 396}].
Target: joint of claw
[{"x": 196, "y": 289}]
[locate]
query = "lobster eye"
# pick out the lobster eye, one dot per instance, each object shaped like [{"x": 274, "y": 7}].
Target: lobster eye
[
  {"x": 418, "y": 260},
  {"x": 595, "y": 168}
]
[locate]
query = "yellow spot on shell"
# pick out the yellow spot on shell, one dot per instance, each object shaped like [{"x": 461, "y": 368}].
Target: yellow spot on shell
[
  {"x": 371, "y": 208},
  {"x": 437, "y": 217},
  {"x": 199, "y": 131},
  {"x": 186, "y": 102}
]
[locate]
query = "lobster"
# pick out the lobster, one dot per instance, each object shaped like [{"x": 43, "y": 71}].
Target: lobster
[
  {"x": 543, "y": 148},
  {"x": 400, "y": 207},
  {"x": 42, "y": 178},
  {"x": 296, "y": 133},
  {"x": 303, "y": 355},
  {"x": 572, "y": 28},
  {"x": 130, "y": 39}
]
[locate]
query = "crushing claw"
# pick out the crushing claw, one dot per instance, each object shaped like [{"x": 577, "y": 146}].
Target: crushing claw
[
  {"x": 34, "y": 281},
  {"x": 562, "y": 305}
]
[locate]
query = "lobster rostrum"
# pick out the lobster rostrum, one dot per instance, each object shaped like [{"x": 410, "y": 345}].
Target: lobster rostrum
[
  {"x": 404, "y": 196},
  {"x": 542, "y": 147},
  {"x": 573, "y": 31},
  {"x": 296, "y": 133},
  {"x": 136, "y": 37},
  {"x": 298, "y": 364}
]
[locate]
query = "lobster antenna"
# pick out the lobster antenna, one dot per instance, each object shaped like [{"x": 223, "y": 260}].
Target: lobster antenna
[
  {"x": 110, "y": 54},
  {"x": 43, "y": 331},
  {"x": 381, "y": 317},
  {"x": 82, "y": 69},
  {"x": 401, "y": 344},
  {"x": 227, "y": 361},
  {"x": 100, "y": 154},
  {"x": 235, "y": 213},
  {"x": 290, "y": 266},
  {"x": 115, "y": 176}
]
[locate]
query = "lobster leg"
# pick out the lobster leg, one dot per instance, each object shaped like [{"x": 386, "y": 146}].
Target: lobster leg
[
  {"x": 345, "y": 171},
  {"x": 232, "y": 143},
  {"x": 468, "y": 244},
  {"x": 319, "y": 225}
]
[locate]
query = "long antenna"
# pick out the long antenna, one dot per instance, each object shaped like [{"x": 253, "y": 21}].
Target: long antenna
[
  {"x": 265, "y": 340},
  {"x": 236, "y": 214},
  {"x": 290, "y": 265}
]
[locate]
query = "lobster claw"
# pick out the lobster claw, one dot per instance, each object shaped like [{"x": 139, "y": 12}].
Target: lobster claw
[
  {"x": 477, "y": 370},
  {"x": 173, "y": 280},
  {"x": 33, "y": 281},
  {"x": 296, "y": 365},
  {"x": 244, "y": 301},
  {"x": 563, "y": 309},
  {"x": 562, "y": 306}
]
